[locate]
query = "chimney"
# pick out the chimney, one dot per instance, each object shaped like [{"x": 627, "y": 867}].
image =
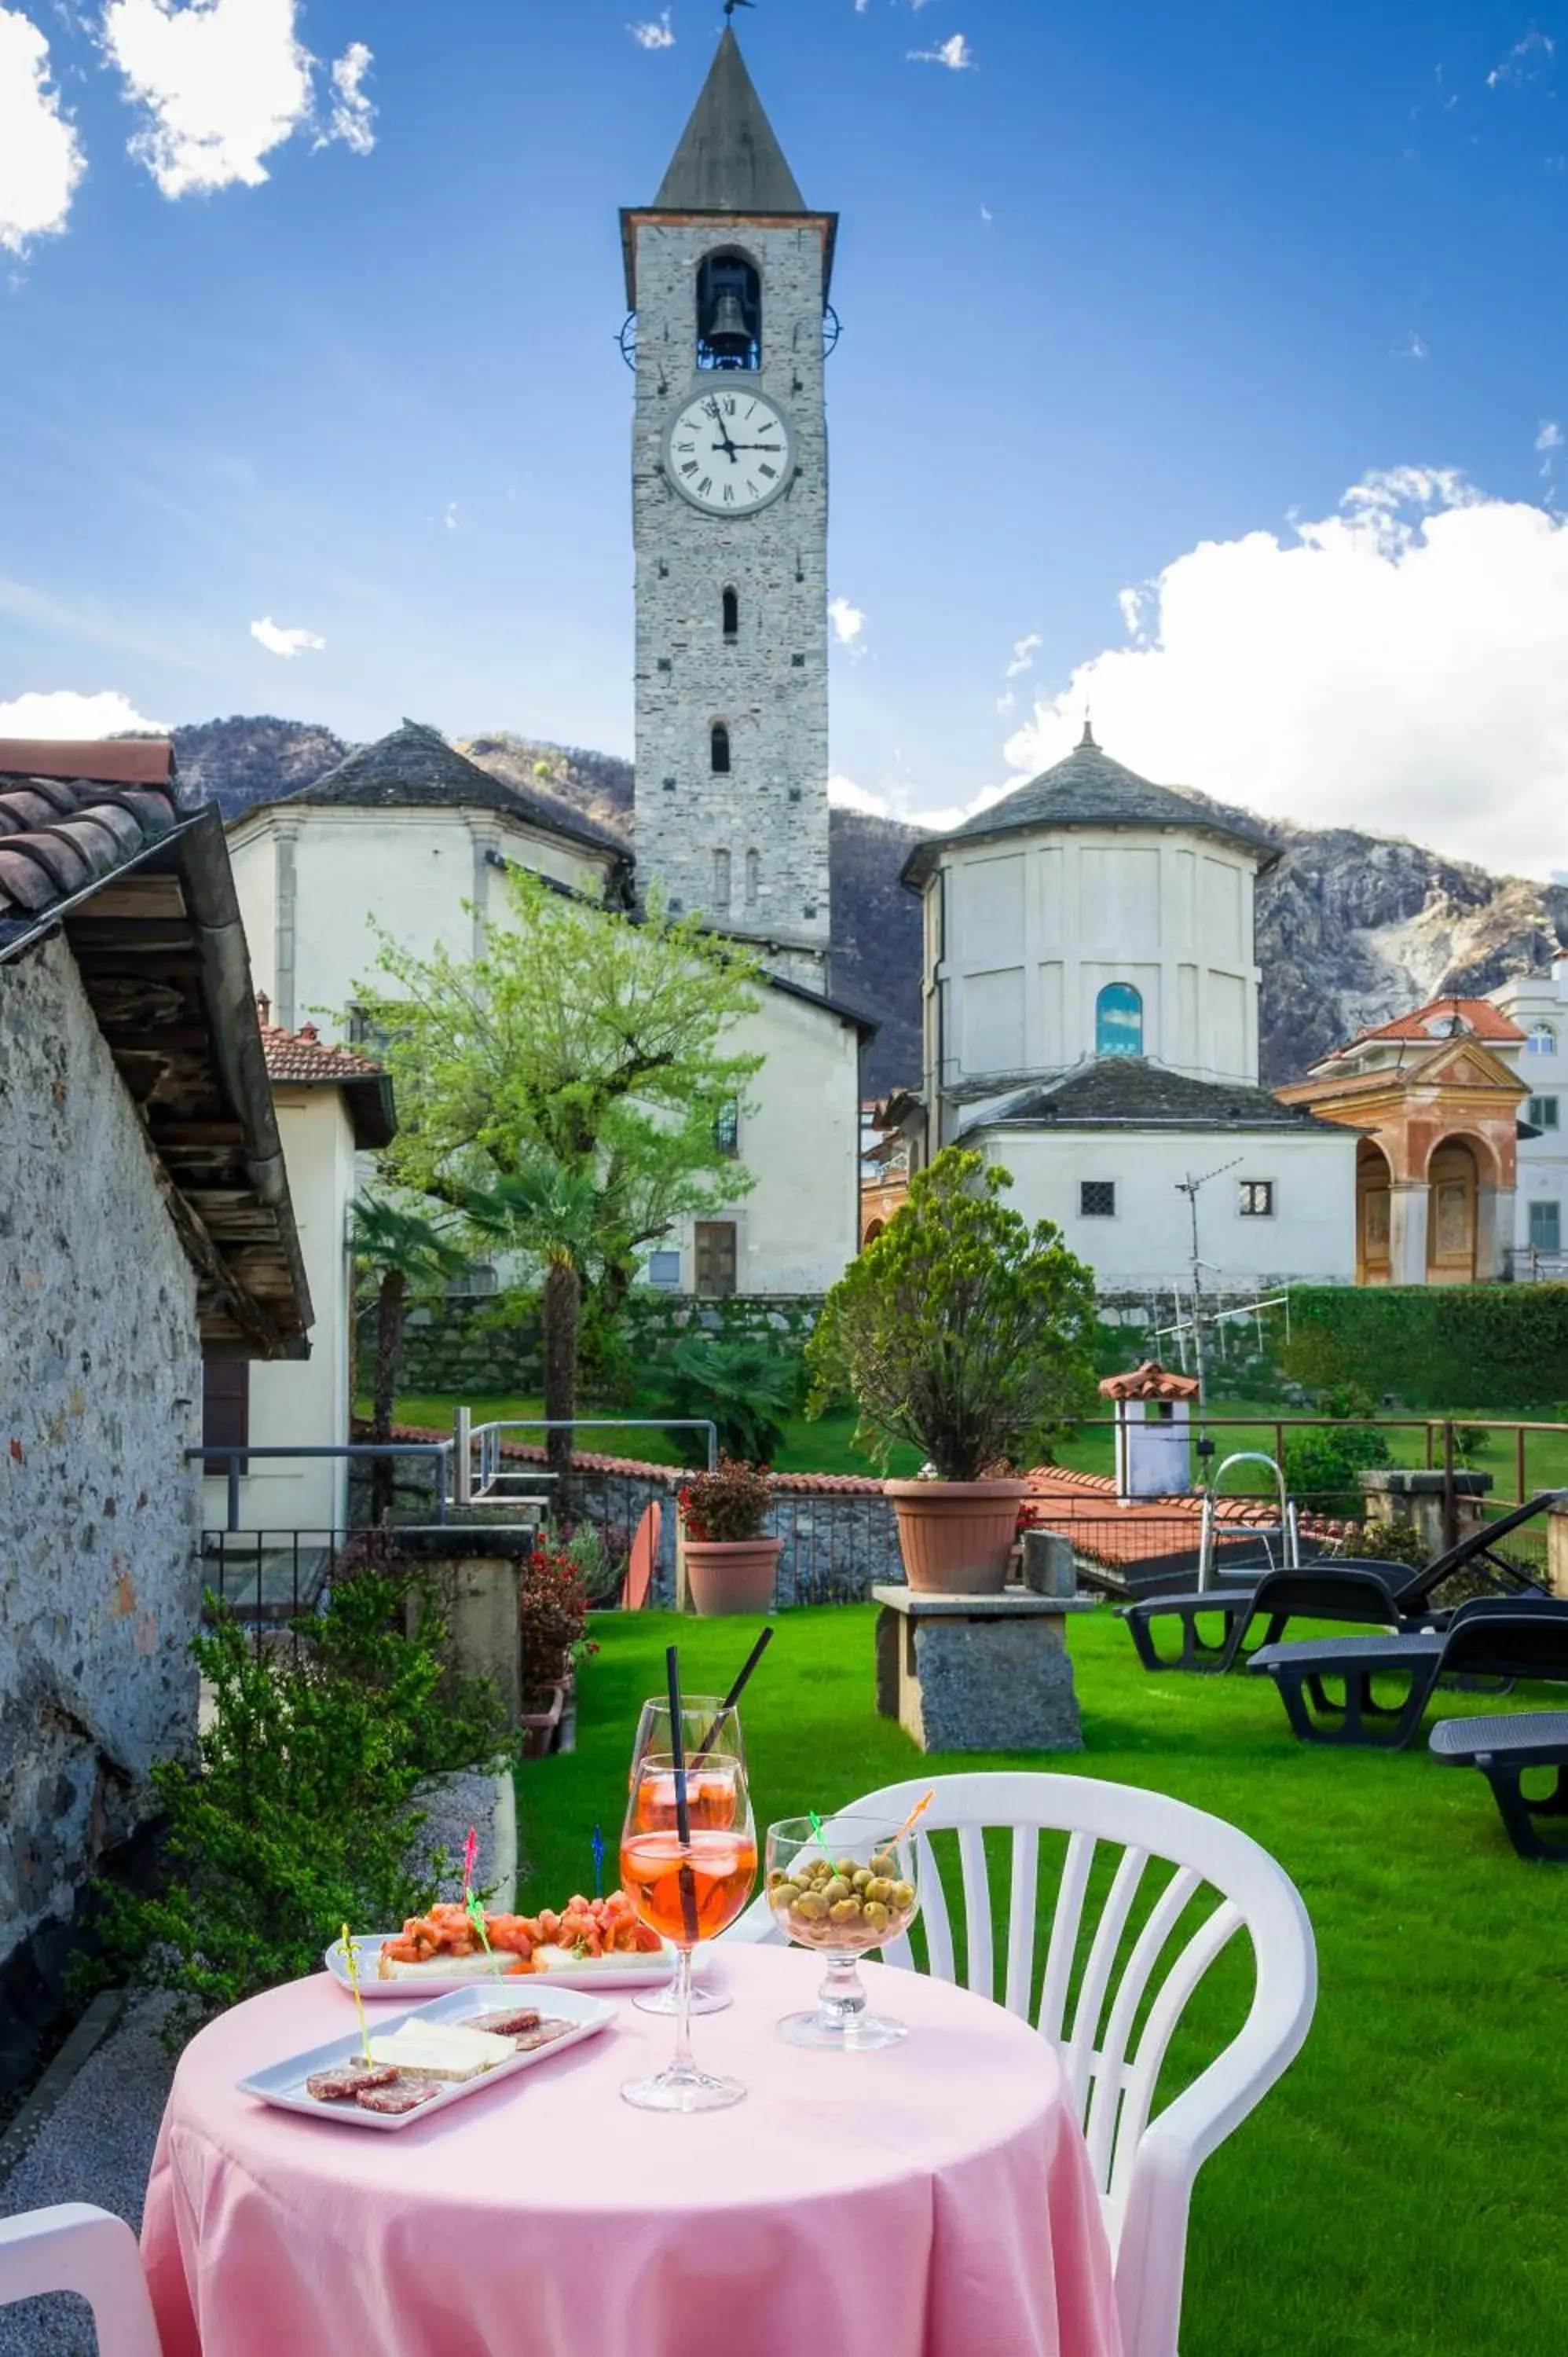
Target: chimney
[{"x": 263, "y": 1009}]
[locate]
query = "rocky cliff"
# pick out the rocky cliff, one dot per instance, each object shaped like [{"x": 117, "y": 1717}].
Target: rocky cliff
[{"x": 1351, "y": 928}]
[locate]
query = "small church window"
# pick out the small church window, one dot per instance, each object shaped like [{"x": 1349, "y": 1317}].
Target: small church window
[
  {"x": 753, "y": 877},
  {"x": 729, "y": 313},
  {"x": 731, "y": 614},
  {"x": 1119, "y": 1021},
  {"x": 721, "y": 879},
  {"x": 1097, "y": 1199},
  {"x": 1257, "y": 1198},
  {"x": 727, "y": 1129},
  {"x": 1542, "y": 1040},
  {"x": 721, "y": 749}
]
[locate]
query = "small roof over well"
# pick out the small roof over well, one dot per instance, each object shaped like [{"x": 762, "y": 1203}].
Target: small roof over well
[
  {"x": 415, "y": 769},
  {"x": 1089, "y": 788},
  {"x": 303, "y": 1059},
  {"x": 1150, "y": 1382},
  {"x": 94, "y": 846}
]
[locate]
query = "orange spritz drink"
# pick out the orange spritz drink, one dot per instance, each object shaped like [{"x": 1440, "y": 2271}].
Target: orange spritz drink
[
  {"x": 687, "y": 1881},
  {"x": 704, "y": 1883}
]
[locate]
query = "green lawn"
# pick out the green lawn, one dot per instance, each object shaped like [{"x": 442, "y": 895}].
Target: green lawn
[
  {"x": 1399, "y": 2193},
  {"x": 826, "y": 1446}
]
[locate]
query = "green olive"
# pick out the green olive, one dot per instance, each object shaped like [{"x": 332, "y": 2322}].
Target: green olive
[
  {"x": 886, "y": 1866},
  {"x": 847, "y": 1910},
  {"x": 846, "y": 1866},
  {"x": 878, "y": 1916},
  {"x": 810, "y": 1906},
  {"x": 903, "y": 1895},
  {"x": 835, "y": 1890},
  {"x": 879, "y": 1889},
  {"x": 784, "y": 1894}
]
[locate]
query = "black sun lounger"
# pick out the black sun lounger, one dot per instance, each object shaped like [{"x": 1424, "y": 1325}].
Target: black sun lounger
[
  {"x": 1360, "y": 1588},
  {"x": 1503, "y": 1748},
  {"x": 1490, "y": 1637}
]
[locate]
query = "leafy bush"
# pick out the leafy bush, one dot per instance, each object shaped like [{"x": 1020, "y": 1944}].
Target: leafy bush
[
  {"x": 553, "y": 1614},
  {"x": 1389, "y": 1542},
  {"x": 1322, "y": 1462},
  {"x": 961, "y": 1329},
  {"x": 1436, "y": 1346},
  {"x": 601, "y": 1569},
  {"x": 728, "y": 1505},
  {"x": 744, "y": 1384},
  {"x": 298, "y": 1814}
]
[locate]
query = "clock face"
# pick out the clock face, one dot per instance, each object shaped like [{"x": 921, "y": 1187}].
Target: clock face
[{"x": 729, "y": 449}]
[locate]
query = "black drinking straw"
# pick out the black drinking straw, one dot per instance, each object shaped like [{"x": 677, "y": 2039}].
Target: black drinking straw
[
  {"x": 682, "y": 1811},
  {"x": 732, "y": 1699}
]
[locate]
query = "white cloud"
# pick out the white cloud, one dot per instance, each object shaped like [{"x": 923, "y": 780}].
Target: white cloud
[
  {"x": 848, "y": 622},
  {"x": 1550, "y": 436},
  {"x": 1397, "y": 667},
  {"x": 353, "y": 116},
  {"x": 654, "y": 35},
  {"x": 1415, "y": 348},
  {"x": 61, "y": 712},
  {"x": 223, "y": 83},
  {"x": 986, "y": 214},
  {"x": 40, "y": 155},
  {"x": 956, "y": 53},
  {"x": 287, "y": 643},
  {"x": 1525, "y": 62},
  {"x": 1024, "y": 653},
  {"x": 450, "y": 517}
]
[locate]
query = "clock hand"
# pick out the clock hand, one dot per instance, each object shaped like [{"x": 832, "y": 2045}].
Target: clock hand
[{"x": 725, "y": 442}]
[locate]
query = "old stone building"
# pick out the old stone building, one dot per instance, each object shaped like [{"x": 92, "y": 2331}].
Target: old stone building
[
  {"x": 1090, "y": 995},
  {"x": 728, "y": 273},
  {"x": 144, "y": 1224}
]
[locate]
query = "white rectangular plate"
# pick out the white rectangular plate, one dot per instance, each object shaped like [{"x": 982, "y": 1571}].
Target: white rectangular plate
[
  {"x": 283, "y": 2084},
  {"x": 606, "y": 1973}
]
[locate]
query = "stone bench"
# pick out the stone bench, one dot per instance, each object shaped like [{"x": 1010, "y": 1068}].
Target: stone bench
[{"x": 978, "y": 1672}]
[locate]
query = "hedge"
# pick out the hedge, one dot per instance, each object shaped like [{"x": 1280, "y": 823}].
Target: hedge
[{"x": 1445, "y": 1347}]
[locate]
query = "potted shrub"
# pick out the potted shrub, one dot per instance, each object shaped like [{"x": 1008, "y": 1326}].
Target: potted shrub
[
  {"x": 552, "y": 1625},
  {"x": 731, "y": 1565},
  {"x": 966, "y": 1332}
]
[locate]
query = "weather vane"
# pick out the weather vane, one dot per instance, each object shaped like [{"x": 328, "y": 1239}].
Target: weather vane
[{"x": 730, "y": 6}]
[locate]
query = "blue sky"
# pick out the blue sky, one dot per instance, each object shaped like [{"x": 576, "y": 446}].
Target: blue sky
[{"x": 1131, "y": 300}]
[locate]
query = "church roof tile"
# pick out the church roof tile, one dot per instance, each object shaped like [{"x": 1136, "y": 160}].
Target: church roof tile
[
  {"x": 1089, "y": 788},
  {"x": 1130, "y": 1093}
]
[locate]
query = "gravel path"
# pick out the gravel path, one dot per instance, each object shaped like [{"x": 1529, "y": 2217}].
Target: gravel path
[{"x": 96, "y": 2146}]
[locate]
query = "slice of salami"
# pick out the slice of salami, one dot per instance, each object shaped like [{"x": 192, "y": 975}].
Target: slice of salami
[
  {"x": 545, "y": 2035},
  {"x": 341, "y": 2086},
  {"x": 505, "y": 2025},
  {"x": 399, "y": 2095}
]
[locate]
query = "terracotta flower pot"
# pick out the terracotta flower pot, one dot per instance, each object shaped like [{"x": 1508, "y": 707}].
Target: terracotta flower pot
[
  {"x": 540, "y": 1728},
  {"x": 956, "y": 1537},
  {"x": 732, "y": 1575}
]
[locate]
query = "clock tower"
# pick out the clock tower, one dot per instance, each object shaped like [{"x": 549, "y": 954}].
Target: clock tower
[{"x": 727, "y": 274}]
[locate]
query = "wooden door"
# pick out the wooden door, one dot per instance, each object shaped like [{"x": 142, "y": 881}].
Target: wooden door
[
  {"x": 1450, "y": 1216},
  {"x": 1373, "y": 1219},
  {"x": 716, "y": 1259}
]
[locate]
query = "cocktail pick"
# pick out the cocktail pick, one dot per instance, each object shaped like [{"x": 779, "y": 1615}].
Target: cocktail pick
[
  {"x": 687, "y": 1880},
  {"x": 916, "y": 1813},
  {"x": 732, "y": 1699},
  {"x": 351, "y": 1959},
  {"x": 476, "y": 1914},
  {"x": 470, "y": 1859},
  {"x": 599, "y": 1862},
  {"x": 820, "y": 1836}
]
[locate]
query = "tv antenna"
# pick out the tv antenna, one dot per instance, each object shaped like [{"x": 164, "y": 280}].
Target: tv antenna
[{"x": 1191, "y": 1187}]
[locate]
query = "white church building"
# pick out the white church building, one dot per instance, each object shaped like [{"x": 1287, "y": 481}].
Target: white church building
[{"x": 1090, "y": 1023}]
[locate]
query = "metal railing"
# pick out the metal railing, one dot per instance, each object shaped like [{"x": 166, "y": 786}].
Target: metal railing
[
  {"x": 234, "y": 1460},
  {"x": 479, "y": 1484}
]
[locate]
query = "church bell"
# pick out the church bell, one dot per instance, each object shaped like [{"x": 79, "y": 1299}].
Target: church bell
[{"x": 728, "y": 338}]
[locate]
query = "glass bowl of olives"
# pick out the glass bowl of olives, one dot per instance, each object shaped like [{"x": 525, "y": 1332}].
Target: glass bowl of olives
[{"x": 843, "y": 1888}]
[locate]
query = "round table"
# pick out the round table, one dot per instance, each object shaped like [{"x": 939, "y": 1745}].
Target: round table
[{"x": 932, "y": 2200}]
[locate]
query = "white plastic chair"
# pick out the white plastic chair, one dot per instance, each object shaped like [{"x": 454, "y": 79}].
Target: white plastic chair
[
  {"x": 78, "y": 2248},
  {"x": 1144, "y": 2168}
]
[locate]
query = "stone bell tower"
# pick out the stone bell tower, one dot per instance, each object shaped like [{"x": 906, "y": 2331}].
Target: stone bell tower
[{"x": 727, "y": 273}]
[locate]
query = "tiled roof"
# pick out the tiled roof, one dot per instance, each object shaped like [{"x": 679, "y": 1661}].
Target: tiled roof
[
  {"x": 1130, "y": 1092},
  {"x": 1150, "y": 1382},
  {"x": 70, "y": 814},
  {"x": 303, "y": 1059},
  {"x": 415, "y": 769},
  {"x": 1446, "y": 1019},
  {"x": 1089, "y": 788},
  {"x": 1084, "y": 1507}
]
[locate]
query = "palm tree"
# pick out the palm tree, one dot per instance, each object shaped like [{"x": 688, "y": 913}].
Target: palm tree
[
  {"x": 408, "y": 1249},
  {"x": 555, "y": 1214}
]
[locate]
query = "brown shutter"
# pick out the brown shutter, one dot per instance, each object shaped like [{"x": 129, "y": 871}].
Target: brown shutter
[{"x": 225, "y": 1406}]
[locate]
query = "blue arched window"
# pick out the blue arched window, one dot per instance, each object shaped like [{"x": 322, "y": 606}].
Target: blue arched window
[{"x": 1119, "y": 1021}]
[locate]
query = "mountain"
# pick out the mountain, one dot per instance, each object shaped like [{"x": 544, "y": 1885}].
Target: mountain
[{"x": 1352, "y": 928}]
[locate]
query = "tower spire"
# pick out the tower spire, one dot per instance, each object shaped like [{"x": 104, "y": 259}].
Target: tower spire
[{"x": 729, "y": 159}]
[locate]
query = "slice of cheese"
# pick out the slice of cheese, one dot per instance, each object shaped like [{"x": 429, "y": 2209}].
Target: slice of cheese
[{"x": 441, "y": 2051}]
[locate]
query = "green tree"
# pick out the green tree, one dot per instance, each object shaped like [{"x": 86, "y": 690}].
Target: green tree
[
  {"x": 403, "y": 1247},
  {"x": 579, "y": 1038},
  {"x": 961, "y": 1329}
]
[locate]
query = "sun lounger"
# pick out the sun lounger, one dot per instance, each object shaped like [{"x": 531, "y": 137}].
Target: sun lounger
[
  {"x": 1504, "y": 1747},
  {"x": 1339, "y": 1588},
  {"x": 1490, "y": 1637}
]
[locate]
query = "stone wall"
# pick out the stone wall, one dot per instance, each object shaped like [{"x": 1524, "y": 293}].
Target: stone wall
[
  {"x": 469, "y": 1350},
  {"x": 100, "y": 1396}
]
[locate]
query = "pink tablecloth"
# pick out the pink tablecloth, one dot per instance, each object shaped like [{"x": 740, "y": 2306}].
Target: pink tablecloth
[{"x": 932, "y": 2200}]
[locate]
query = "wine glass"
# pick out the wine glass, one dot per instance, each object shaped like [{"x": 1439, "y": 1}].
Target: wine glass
[
  {"x": 711, "y": 1742},
  {"x": 852, "y": 1886},
  {"x": 686, "y": 1890}
]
